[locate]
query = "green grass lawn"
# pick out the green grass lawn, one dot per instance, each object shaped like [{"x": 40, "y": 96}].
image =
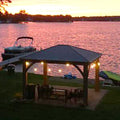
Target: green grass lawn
[{"x": 108, "y": 109}]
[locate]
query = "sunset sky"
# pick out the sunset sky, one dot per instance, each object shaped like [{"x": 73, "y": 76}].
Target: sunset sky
[{"x": 72, "y": 7}]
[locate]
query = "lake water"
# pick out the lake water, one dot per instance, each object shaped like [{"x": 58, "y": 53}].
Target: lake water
[{"x": 103, "y": 37}]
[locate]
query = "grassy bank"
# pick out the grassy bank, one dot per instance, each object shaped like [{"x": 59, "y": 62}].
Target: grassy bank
[{"x": 108, "y": 109}]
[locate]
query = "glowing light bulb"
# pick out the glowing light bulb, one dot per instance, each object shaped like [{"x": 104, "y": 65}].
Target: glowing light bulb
[
  {"x": 59, "y": 70},
  {"x": 49, "y": 70},
  {"x": 98, "y": 64},
  {"x": 35, "y": 69},
  {"x": 93, "y": 65},
  {"x": 27, "y": 63},
  {"x": 41, "y": 63},
  {"x": 67, "y": 64}
]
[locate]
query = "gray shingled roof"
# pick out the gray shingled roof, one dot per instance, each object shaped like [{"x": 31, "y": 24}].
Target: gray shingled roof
[{"x": 64, "y": 53}]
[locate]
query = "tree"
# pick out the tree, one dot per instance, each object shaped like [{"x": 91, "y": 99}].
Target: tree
[
  {"x": 22, "y": 12},
  {"x": 4, "y": 3}
]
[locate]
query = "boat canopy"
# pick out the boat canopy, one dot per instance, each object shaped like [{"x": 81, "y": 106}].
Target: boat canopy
[{"x": 24, "y": 37}]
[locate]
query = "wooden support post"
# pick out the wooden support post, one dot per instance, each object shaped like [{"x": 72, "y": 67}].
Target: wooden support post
[
  {"x": 24, "y": 79},
  {"x": 97, "y": 87},
  {"x": 45, "y": 82},
  {"x": 85, "y": 86},
  {"x": 0, "y": 68}
]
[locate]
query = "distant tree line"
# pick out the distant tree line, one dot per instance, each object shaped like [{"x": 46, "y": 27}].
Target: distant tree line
[
  {"x": 97, "y": 18},
  {"x": 49, "y": 18},
  {"x": 23, "y": 16},
  {"x": 5, "y": 17}
]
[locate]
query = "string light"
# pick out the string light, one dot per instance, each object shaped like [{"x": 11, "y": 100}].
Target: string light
[
  {"x": 67, "y": 64},
  {"x": 93, "y": 65},
  {"x": 27, "y": 63},
  {"x": 35, "y": 69},
  {"x": 60, "y": 70},
  {"x": 98, "y": 64},
  {"x": 42, "y": 63},
  {"x": 49, "y": 70}
]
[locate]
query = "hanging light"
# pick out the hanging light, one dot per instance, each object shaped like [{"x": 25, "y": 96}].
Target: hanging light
[
  {"x": 42, "y": 63},
  {"x": 49, "y": 70},
  {"x": 67, "y": 64},
  {"x": 60, "y": 70},
  {"x": 98, "y": 63},
  {"x": 35, "y": 69},
  {"x": 93, "y": 65},
  {"x": 27, "y": 63}
]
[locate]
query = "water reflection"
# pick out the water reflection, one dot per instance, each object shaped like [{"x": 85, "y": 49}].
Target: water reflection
[{"x": 101, "y": 37}]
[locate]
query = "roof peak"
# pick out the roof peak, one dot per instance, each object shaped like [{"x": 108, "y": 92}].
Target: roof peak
[{"x": 63, "y": 53}]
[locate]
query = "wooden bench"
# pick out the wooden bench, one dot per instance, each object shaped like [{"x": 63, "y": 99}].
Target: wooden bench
[{"x": 58, "y": 94}]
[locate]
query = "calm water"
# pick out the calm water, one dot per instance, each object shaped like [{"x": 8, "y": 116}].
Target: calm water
[{"x": 103, "y": 37}]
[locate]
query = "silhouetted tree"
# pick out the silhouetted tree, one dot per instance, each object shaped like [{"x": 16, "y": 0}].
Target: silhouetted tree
[
  {"x": 3, "y": 3},
  {"x": 22, "y": 12},
  {"x": 19, "y": 17}
]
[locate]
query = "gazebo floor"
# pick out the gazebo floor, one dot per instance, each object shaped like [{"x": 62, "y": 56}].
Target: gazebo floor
[
  {"x": 61, "y": 103},
  {"x": 93, "y": 99}
]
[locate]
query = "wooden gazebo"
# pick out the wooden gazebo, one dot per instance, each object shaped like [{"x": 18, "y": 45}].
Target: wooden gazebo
[{"x": 62, "y": 54}]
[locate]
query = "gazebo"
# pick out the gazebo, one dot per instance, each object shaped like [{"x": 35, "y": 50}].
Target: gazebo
[{"x": 62, "y": 54}]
